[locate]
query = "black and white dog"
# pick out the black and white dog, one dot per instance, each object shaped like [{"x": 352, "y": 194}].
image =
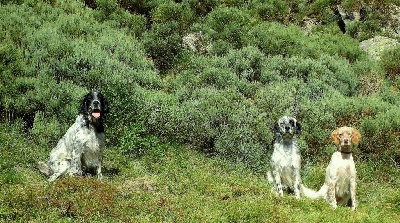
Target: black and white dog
[
  {"x": 286, "y": 161},
  {"x": 79, "y": 151}
]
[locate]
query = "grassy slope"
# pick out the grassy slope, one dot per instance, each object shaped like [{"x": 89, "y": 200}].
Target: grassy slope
[{"x": 174, "y": 183}]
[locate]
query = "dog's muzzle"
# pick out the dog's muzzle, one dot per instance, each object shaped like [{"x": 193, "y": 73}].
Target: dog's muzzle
[{"x": 95, "y": 108}]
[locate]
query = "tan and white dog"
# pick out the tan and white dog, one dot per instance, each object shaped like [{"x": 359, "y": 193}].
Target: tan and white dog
[{"x": 340, "y": 179}]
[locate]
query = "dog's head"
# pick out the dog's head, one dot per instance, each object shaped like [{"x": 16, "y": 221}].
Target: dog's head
[
  {"x": 345, "y": 136},
  {"x": 287, "y": 127},
  {"x": 94, "y": 107}
]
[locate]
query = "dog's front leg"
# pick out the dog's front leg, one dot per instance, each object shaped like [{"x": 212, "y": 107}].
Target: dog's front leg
[
  {"x": 99, "y": 174},
  {"x": 353, "y": 188},
  {"x": 278, "y": 183},
  {"x": 76, "y": 163},
  {"x": 331, "y": 197}
]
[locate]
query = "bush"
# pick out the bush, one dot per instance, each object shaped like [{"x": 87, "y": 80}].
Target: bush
[
  {"x": 202, "y": 7},
  {"x": 239, "y": 69},
  {"x": 276, "y": 10},
  {"x": 225, "y": 123},
  {"x": 223, "y": 100},
  {"x": 320, "y": 75},
  {"x": 381, "y": 137},
  {"x": 275, "y": 39},
  {"x": 163, "y": 44},
  {"x": 12, "y": 143},
  {"x": 229, "y": 26},
  {"x": 335, "y": 110},
  {"x": 334, "y": 45},
  {"x": 246, "y": 63},
  {"x": 390, "y": 61},
  {"x": 174, "y": 12}
]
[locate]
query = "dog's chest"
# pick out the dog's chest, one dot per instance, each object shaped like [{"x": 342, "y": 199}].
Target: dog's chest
[
  {"x": 286, "y": 155},
  {"x": 89, "y": 139},
  {"x": 343, "y": 170},
  {"x": 91, "y": 145}
]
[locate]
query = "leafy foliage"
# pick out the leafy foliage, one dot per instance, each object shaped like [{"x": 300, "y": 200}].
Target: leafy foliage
[{"x": 390, "y": 61}]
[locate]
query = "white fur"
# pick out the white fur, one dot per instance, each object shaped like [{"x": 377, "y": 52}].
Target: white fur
[
  {"x": 79, "y": 151},
  {"x": 340, "y": 177},
  {"x": 79, "y": 143},
  {"x": 340, "y": 181},
  {"x": 285, "y": 160}
]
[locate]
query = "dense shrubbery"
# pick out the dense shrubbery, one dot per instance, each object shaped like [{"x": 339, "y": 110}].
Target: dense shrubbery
[
  {"x": 222, "y": 100},
  {"x": 391, "y": 62}
]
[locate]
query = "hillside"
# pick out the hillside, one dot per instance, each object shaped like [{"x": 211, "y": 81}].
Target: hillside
[{"x": 194, "y": 89}]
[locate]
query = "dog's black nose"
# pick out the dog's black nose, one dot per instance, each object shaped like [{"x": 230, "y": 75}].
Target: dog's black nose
[
  {"x": 96, "y": 103},
  {"x": 287, "y": 128}
]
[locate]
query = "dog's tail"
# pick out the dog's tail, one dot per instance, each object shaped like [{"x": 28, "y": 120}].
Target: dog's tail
[
  {"x": 44, "y": 168},
  {"x": 307, "y": 192}
]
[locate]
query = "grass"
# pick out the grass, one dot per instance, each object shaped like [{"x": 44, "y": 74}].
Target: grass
[{"x": 175, "y": 183}]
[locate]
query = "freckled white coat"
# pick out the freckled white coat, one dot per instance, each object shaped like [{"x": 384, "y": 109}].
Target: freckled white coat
[
  {"x": 285, "y": 161},
  {"x": 80, "y": 147},
  {"x": 285, "y": 165}
]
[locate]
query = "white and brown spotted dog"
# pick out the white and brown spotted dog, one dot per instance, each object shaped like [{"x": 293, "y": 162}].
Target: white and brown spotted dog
[{"x": 340, "y": 178}]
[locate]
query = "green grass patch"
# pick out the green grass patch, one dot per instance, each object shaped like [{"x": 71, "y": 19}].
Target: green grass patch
[{"x": 174, "y": 183}]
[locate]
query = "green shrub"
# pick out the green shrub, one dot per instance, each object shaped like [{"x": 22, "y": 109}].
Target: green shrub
[
  {"x": 61, "y": 62},
  {"x": 157, "y": 109},
  {"x": 229, "y": 25},
  {"x": 174, "y": 12},
  {"x": 246, "y": 63},
  {"x": 320, "y": 76},
  {"x": 275, "y": 39},
  {"x": 334, "y": 45},
  {"x": 381, "y": 137},
  {"x": 279, "y": 98},
  {"x": 390, "y": 92},
  {"x": 390, "y": 61},
  {"x": 323, "y": 10},
  {"x": 202, "y": 7},
  {"x": 239, "y": 69},
  {"x": 334, "y": 110},
  {"x": 136, "y": 142},
  {"x": 110, "y": 13},
  {"x": 215, "y": 121},
  {"x": 163, "y": 44},
  {"x": 276, "y": 10},
  {"x": 11, "y": 143}
]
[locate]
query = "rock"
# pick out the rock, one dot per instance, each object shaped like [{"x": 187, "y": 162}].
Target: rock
[{"x": 374, "y": 47}]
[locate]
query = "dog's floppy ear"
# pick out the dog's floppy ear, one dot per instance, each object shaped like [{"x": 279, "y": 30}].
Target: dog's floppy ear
[
  {"x": 355, "y": 136},
  {"x": 298, "y": 128},
  {"x": 276, "y": 128},
  {"x": 83, "y": 108},
  {"x": 105, "y": 107},
  {"x": 335, "y": 137}
]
